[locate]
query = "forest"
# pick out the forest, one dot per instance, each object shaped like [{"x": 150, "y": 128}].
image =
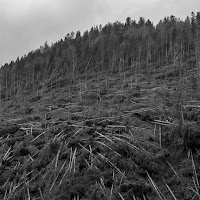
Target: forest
[
  {"x": 116, "y": 46},
  {"x": 110, "y": 114}
]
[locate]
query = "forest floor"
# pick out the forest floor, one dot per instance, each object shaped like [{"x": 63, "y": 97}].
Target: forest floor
[{"x": 107, "y": 138}]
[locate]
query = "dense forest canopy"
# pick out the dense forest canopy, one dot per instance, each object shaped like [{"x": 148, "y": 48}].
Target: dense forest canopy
[{"x": 111, "y": 47}]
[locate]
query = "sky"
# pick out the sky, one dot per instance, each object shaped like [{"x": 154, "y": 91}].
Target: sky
[{"x": 25, "y": 25}]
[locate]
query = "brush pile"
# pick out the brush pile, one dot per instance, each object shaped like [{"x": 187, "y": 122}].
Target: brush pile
[{"x": 92, "y": 159}]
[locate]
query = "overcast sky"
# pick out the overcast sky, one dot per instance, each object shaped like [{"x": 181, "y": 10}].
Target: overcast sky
[{"x": 27, "y": 24}]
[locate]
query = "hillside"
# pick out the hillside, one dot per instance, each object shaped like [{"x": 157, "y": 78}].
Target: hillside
[
  {"x": 115, "y": 47},
  {"x": 113, "y": 114}
]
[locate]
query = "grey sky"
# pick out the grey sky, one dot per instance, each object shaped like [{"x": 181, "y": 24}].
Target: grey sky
[{"x": 27, "y": 24}]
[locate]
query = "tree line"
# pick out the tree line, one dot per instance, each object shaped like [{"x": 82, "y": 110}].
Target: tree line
[{"x": 112, "y": 47}]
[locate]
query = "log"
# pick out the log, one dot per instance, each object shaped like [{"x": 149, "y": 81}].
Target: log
[{"x": 164, "y": 123}]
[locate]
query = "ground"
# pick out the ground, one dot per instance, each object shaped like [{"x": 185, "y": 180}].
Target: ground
[{"x": 106, "y": 136}]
